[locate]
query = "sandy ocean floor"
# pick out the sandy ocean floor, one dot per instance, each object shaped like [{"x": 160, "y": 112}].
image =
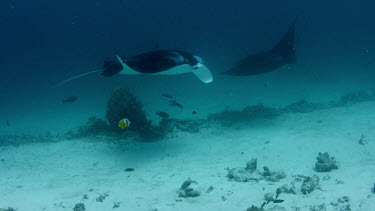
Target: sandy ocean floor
[{"x": 58, "y": 175}]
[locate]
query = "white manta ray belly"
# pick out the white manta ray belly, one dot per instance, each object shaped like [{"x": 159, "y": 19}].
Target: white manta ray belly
[{"x": 180, "y": 69}]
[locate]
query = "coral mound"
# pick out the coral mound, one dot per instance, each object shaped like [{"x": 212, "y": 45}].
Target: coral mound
[
  {"x": 123, "y": 104},
  {"x": 325, "y": 163}
]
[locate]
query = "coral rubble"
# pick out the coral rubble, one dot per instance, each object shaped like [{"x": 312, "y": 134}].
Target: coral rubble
[
  {"x": 250, "y": 173},
  {"x": 310, "y": 184},
  {"x": 186, "y": 191},
  {"x": 325, "y": 163},
  {"x": 79, "y": 207}
]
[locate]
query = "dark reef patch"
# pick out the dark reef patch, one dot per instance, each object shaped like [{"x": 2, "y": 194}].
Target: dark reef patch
[
  {"x": 302, "y": 106},
  {"x": 354, "y": 97},
  {"x": 228, "y": 118},
  {"x": 123, "y": 104}
]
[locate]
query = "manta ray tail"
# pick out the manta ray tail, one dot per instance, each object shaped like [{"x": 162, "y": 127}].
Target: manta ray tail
[{"x": 75, "y": 77}]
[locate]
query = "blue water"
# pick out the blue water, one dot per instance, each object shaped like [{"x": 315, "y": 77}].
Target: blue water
[{"x": 44, "y": 42}]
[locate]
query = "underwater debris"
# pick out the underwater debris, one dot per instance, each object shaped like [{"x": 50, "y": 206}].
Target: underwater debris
[
  {"x": 84, "y": 197},
  {"x": 194, "y": 112},
  {"x": 79, "y": 207},
  {"x": 70, "y": 99},
  {"x": 310, "y": 184},
  {"x": 185, "y": 191},
  {"x": 101, "y": 198},
  {"x": 362, "y": 140},
  {"x": 325, "y": 163}
]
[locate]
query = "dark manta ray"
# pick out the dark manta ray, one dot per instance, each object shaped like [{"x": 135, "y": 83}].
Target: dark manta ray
[
  {"x": 159, "y": 62},
  {"x": 166, "y": 62},
  {"x": 283, "y": 53}
]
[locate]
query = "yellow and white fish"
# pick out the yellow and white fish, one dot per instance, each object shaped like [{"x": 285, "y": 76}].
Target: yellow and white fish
[{"x": 124, "y": 123}]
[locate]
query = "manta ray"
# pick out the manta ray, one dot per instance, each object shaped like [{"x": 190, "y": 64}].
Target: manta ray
[
  {"x": 267, "y": 61},
  {"x": 158, "y": 62},
  {"x": 165, "y": 62}
]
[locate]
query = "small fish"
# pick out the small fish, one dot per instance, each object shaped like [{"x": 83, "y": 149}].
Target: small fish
[
  {"x": 175, "y": 103},
  {"x": 70, "y": 99},
  {"x": 129, "y": 169},
  {"x": 124, "y": 123},
  {"x": 167, "y": 95},
  {"x": 194, "y": 112},
  {"x": 7, "y": 123}
]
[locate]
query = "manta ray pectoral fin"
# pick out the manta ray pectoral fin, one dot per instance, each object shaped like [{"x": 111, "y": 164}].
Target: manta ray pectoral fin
[
  {"x": 122, "y": 62},
  {"x": 126, "y": 69},
  {"x": 203, "y": 73}
]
